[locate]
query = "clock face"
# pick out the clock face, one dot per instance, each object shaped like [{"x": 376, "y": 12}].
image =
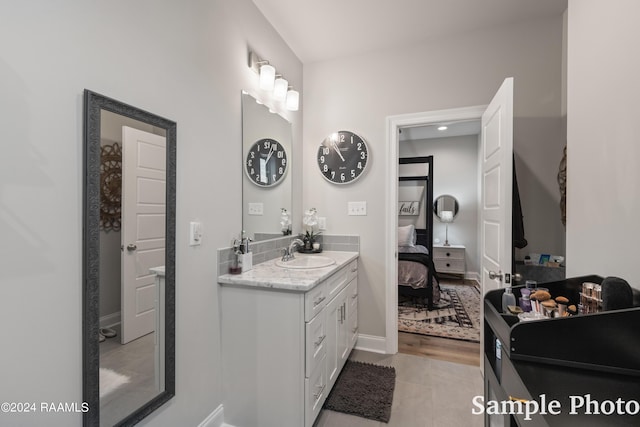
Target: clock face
[
  {"x": 342, "y": 157},
  {"x": 266, "y": 163}
]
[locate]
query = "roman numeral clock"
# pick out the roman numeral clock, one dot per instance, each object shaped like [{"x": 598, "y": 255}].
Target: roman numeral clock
[{"x": 342, "y": 157}]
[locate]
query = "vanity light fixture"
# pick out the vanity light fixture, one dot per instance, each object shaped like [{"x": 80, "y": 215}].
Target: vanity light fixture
[
  {"x": 280, "y": 89},
  {"x": 267, "y": 77},
  {"x": 293, "y": 100},
  {"x": 269, "y": 81}
]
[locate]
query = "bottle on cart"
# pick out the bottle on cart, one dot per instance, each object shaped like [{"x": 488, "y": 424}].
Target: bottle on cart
[{"x": 508, "y": 299}]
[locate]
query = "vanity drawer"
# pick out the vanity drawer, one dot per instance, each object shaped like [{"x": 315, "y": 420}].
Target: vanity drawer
[
  {"x": 315, "y": 300},
  {"x": 339, "y": 280},
  {"x": 449, "y": 265},
  {"x": 315, "y": 393},
  {"x": 448, "y": 253},
  {"x": 315, "y": 345}
]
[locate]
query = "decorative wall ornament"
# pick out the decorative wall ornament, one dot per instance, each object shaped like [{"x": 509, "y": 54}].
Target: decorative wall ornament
[
  {"x": 110, "y": 187},
  {"x": 562, "y": 183},
  {"x": 409, "y": 208}
]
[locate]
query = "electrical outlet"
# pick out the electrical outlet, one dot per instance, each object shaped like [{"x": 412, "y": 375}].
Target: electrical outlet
[
  {"x": 256, "y": 209},
  {"x": 357, "y": 208},
  {"x": 322, "y": 223}
]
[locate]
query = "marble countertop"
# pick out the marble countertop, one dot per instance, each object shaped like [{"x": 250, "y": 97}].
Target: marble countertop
[
  {"x": 268, "y": 275},
  {"x": 157, "y": 270}
]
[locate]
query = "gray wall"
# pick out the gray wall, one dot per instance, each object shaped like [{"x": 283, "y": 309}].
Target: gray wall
[
  {"x": 603, "y": 197},
  {"x": 358, "y": 94},
  {"x": 186, "y": 61}
]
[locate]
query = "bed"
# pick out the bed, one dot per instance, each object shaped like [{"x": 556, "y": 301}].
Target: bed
[{"x": 417, "y": 276}]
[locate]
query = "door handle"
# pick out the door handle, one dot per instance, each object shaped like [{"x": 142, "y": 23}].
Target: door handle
[
  {"x": 131, "y": 247},
  {"x": 493, "y": 275}
]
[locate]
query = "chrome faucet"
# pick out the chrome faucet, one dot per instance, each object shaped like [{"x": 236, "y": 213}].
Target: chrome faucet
[{"x": 288, "y": 253}]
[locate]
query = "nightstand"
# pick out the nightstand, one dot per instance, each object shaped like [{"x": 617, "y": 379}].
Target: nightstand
[{"x": 449, "y": 259}]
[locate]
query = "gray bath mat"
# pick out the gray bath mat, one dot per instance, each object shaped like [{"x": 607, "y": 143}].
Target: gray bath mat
[{"x": 364, "y": 390}]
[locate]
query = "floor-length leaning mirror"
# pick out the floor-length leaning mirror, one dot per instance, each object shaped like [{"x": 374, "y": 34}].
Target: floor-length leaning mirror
[{"x": 129, "y": 261}]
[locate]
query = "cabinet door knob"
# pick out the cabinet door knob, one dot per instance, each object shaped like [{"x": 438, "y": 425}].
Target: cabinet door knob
[
  {"x": 448, "y": 265},
  {"x": 448, "y": 254}
]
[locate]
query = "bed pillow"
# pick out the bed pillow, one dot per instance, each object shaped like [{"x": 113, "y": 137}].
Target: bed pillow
[{"x": 407, "y": 235}]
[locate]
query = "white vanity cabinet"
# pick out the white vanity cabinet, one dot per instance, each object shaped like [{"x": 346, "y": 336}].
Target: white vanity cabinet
[
  {"x": 342, "y": 320},
  {"x": 282, "y": 350}
]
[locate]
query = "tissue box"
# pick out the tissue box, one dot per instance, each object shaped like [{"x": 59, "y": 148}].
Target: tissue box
[{"x": 245, "y": 261}]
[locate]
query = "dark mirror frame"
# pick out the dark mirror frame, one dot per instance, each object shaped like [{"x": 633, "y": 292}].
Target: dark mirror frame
[
  {"x": 93, "y": 104},
  {"x": 455, "y": 201}
]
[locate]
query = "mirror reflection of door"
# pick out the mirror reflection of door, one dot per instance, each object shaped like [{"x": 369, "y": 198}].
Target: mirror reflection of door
[
  {"x": 143, "y": 228},
  {"x": 130, "y": 372}
]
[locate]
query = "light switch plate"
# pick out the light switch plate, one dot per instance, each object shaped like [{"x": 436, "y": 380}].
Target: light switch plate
[
  {"x": 195, "y": 233},
  {"x": 256, "y": 209},
  {"x": 357, "y": 208}
]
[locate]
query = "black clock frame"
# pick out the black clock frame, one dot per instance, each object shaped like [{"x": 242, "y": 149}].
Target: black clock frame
[
  {"x": 255, "y": 148},
  {"x": 347, "y": 154}
]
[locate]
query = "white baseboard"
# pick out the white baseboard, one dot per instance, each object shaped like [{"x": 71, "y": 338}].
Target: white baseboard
[
  {"x": 371, "y": 343},
  {"x": 110, "y": 320},
  {"x": 215, "y": 419},
  {"x": 472, "y": 275}
]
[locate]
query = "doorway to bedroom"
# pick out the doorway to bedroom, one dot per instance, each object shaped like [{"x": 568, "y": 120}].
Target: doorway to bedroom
[{"x": 445, "y": 324}]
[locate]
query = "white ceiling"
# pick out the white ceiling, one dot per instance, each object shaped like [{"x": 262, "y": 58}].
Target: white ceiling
[
  {"x": 459, "y": 128},
  {"x": 318, "y": 30}
]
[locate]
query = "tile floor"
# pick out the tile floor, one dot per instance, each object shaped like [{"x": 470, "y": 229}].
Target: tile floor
[
  {"x": 428, "y": 393},
  {"x": 136, "y": 360}
]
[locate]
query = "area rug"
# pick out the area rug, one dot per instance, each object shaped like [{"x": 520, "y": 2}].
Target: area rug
[
  {"x": 111, "y": 380},
  {"x": 364, "y": 390},
  {"x": 458, "y": 316}
]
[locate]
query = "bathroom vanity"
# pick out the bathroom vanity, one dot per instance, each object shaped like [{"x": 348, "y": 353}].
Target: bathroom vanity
[{"x": 286, "y": 335}]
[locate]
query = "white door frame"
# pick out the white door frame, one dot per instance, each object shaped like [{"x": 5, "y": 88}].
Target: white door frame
[{"x": 394, "y": 123}]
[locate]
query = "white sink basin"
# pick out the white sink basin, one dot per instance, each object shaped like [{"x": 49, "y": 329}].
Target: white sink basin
[{"x": 309, "y": 261}]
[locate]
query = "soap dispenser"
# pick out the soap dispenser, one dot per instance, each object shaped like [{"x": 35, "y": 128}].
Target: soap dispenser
[{"x": 508, "y": 299}]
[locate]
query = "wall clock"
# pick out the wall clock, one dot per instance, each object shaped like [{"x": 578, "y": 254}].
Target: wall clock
[
  {"x": 342, "y": 157},
  {"x": 266, "y": 163}
]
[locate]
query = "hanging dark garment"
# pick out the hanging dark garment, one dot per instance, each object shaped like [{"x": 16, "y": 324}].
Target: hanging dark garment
[{"x": 517, "y": 220}]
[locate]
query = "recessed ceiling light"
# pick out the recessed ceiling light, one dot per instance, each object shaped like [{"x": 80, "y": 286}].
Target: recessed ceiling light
[{"x": 442, "y": 128}]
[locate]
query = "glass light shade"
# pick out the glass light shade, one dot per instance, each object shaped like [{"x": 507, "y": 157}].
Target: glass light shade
[
  {"x": 293, "y": 100},
  {"x": 280, "y": 89},
  {"x": 446, "y": 216},
  {"x": 267, "y": 77}
]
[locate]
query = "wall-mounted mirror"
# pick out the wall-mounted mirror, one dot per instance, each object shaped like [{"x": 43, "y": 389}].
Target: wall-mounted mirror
[
  {"x": 445, "y": 203},
  {"x": 129, "y": 261},
  {"x": 267, "y": 179}
]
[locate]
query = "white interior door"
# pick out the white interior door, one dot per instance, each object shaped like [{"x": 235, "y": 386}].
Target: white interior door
[
  {"x": 143, "y": 228},
  {"x": 497, "y": 182}
]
